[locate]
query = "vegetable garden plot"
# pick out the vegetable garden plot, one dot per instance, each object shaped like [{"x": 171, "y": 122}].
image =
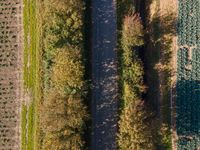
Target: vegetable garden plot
[
  {"x": 188, "y": 76},
  {"x": 10, "y": 73}
]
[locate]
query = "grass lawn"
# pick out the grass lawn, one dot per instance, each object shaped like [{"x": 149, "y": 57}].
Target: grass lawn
[{"x": 31, "y": 75}]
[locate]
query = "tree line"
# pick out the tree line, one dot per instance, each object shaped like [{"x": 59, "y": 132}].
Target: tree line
[{"x": 63, "y": 111}]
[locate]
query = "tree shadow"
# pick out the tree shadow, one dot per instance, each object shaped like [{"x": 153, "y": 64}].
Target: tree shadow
[
  {"x": 158, "y": 53},
  {"x": 87, "y": 54},
  {"x": 157, "y": 56}
]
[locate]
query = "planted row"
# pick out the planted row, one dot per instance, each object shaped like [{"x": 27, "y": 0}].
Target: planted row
[{"x": 188, "y": 75}]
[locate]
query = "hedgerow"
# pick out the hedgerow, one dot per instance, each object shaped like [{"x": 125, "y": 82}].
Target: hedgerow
[
  {"x": 63, "y": 111},
  {"x": 134, "y": 132},
  {"x": 63, "y": 25}
]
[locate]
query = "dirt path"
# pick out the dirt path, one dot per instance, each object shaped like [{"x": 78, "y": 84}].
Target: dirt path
[
  {"x": 162, "y": 18},
  {"x": 170, "y": 8},
  {"x": 104, "y": 75},
  {"x": 11, "y": 89}
]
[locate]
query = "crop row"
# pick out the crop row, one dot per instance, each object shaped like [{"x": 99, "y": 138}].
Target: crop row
[
  {"x": 10, "y": 76},
  {"x": 188, "y": 75}
]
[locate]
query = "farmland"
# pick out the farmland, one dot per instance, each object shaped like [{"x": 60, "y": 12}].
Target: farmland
[
  {"x": 10, "y": 73},
  {"x": 99, "y": 74},
  {"x": 188, "y": 76}
]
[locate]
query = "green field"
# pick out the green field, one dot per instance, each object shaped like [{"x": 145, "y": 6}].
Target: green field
[
  {"x": 188, "y": 76},
  {"x": 31, "y": 75}
]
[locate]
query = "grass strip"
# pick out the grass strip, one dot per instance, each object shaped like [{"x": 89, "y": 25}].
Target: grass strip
[
  {"x": 23, "y": 127},
  {"x": 31, "y": 74}
]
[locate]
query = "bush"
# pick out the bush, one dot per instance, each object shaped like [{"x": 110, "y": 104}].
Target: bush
[
  {"x": 123, "y": 8},
  {"x": 64, "y": 22},
  {"x": 134, "y": 133},
  {"x": 63, "y": 26},
  {"x": 132, "y": 37}
]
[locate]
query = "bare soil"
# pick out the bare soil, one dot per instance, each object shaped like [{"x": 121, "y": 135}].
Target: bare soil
[{"x": 11, "y": 83}]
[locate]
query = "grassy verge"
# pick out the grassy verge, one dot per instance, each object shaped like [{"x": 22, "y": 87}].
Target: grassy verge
[
  {"x": 23, "y": 124},
  {"x": 31, "y": 75},
  {"x": 30, "y": 122}
]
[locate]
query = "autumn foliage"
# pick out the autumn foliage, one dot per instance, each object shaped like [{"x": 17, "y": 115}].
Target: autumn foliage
[
  {"x": 134, "y": 132},
  {"x": 63, "y": 111}
]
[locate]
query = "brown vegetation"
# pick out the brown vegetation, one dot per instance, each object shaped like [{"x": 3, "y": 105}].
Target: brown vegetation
[
  {"x": 134, "y": 130},
  {"x": 63, "y": 111},
  {"x": 63, "y": 121}
]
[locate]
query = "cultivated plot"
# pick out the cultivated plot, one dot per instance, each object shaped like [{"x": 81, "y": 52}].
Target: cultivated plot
[{"x": 10, "y": 73}]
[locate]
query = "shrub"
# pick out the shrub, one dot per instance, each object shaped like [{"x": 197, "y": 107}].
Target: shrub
[
  {"x": 63, "y": 26},
  {"x": 123, "y": 8},
  {"x": 64, "y": 21},
  {"x": 134, "y": 131}
]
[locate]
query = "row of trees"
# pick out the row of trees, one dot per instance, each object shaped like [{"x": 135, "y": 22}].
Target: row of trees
[
  {"x": 63, "y": 111},
  {"x": 134, "y": 132},
  {"x": 139, "y": 127}
]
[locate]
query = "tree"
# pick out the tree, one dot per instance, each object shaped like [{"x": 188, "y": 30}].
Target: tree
[
  {"x": 134, "y": 129},
  {"x": 132, "y": 34},
  {"x": 63, "y": 110},
  {"x": 63, "y": 121},
  {"x": 68, "y": 71}
]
